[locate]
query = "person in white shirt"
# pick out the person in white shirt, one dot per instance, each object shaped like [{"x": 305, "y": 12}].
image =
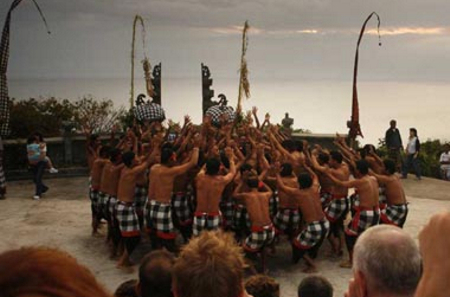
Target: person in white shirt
[
  {"x": 444, "y": 161},
  {"x": 412, "y": 155}
]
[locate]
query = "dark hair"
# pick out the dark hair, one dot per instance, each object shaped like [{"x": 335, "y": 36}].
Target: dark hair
[
  {"x": 245, "y": 167},
  {"x": 288, "y": 145},
  {"x": 414, "y": 130},
  {"x": 166, "y": 154},
  {"x": 305, "y": 181},
  {"x": 128, "y": 158},
  {"x": 105, "y": 151},
  {"x": 389, "y": 165},
  {"x": 155, "y": 274},
  {"x": 127, "y": 289},
  {"x": 262, "y": 286},
  {"x": 298, "y": 146},
  {"x": 115, "y": 154},
  {"x": 224, "y": 160},
  {"x": 253, "y": 182},
  {"x": 324, "y": 158},
  {"x": 31, "y": 139},
  {"x": 39, "y": 136},
  {"x": 315, "y": 286},
  {"x": 286, "y": 170},
  {"x": 212, "y": 166},
  {"x": 362, "y": 166},
  {"x": 336, "y": 156},
  {"x": 93, "y": 137}
]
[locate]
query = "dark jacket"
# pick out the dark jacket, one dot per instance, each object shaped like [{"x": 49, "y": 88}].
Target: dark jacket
[{"x": 393, "y": 139}]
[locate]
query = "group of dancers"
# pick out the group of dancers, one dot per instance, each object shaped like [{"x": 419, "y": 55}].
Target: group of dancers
[{"x": 250, "y": 179}]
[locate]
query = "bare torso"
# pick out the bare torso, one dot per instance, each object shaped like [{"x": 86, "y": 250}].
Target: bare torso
[
  {"x": 286, "y": 200},
  {"x": 96, "y": 172},
  {"x": 395, "y": 193},
  {"x": 341, "y": 173},
  {"x": 209, "y": 192},
  {"x": 368, "y": 191},
  {"x": 257, "y": 204},
  {"x": 309, "y": 202}
]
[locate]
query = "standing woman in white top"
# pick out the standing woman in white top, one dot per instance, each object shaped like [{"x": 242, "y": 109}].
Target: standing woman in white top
[
  {"x": 444, "y": 161},
  {"x": 412, "y": 155}
]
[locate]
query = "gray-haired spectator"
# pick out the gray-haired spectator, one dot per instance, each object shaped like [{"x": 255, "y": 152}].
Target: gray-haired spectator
[{"x": 386, "y": 262}]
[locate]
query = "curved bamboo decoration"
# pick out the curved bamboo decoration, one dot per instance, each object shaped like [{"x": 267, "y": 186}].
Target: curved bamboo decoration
[{"x": 244, "y": 85}]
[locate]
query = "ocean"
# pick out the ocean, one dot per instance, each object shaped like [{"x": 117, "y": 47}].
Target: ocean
[{"x": 318, "y": 106}]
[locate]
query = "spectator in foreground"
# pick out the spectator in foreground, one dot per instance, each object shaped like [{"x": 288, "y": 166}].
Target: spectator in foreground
[
  {"x": 155, "y": 274},
  {"x": 434, "y": 246},
  {"x": 262, "y": 286},
  {"x": 127, "y": 289},
  {"x": 315, "y": 286},
  {"x": 40, "y": 272},
  {"x": 211, "y": 264},
  {"x": 387, "y": 262}
]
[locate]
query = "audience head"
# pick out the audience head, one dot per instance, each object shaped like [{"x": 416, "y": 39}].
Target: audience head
[
  {"x": 315, "y": 286},
  {"x": 155, "y": 274},
  {"x": 45, "y": 272},
  {"x": 210, "y": 264},
  {"x": 386, "y": 261},
  {"x": 262, "y": 286},
  {"x": 127, "y": 289}
]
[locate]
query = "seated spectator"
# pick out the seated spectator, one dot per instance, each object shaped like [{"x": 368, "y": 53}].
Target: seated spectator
[
  {"x": 434, "y": 246},
  {"x": 211, "y": 264},
  {"x": 315, "y": 286},
  {"x": 444, "y": 161},
  {"x": 40, "y": 272},
  {"x": 387, "y": 262},
  {"x": 262, "y": 286},
  {"x": 155, "y": 274},
  {"x": 127, "y": 289}
]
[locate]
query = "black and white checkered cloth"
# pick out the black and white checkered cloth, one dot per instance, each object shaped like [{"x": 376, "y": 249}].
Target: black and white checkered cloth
[
  {"x": 205, "y": 221},
  {"x": 102, "y": 206},
  {"x": 140, "y": 199},
  {"x": 227, "y": 209},
  {"x": 181, "y": 207},
  {"x": 159, "y": 219},
  {"x": 241, "y": 218},
  {"x": 259, "y": 238},
  {"x": 149, "y": 112},
  {"x": 4, "y": 57},
  {"x": 337, "y": 209},
  {"x": 363, "y": 220},
  {"x": 128, "y": 219},
  {"x": 394, "y": 215},
  {"x": 325, "y": 199},
  {"x": 312, "y": 234},
  {"x": 216, "y": 111},
  {"x": 286, "y": 219}
]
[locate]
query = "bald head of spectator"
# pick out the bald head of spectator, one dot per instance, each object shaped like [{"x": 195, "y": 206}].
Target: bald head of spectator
[
  {"x": 386, "y": 262},
  {"x": 155, "y": 274},
  {"x": 40, "y": 272},
  {"x": 210, "y": 264}
]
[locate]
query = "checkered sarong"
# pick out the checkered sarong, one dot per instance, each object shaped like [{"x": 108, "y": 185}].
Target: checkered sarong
[
  {"x": 128, "y": 219},
  {"x": 382, "y": 200},
  {"x": 140, "y": 199},
  {"x": 181, "y": 207},
  {"x": 112, "y": 202},
  {"x": 2, "y": 173},
  {"x": 159, "y": 219},
  {"x": 355, "y": 202},
  {"x": 227, "y": 209},
  {"x": 259, "y": 238},
  {"x": 216, "y": 111},
  {"x": 93, "y": 195},
  {"x": 285, "y": 219},
  {"x": 314, "y": 233},
  {"x": 241, "y": 218},
  {"x": 205, "y": 221},
  {"x": 363, "y": 220},
  {"x": 325, "y": 199},
  {"x": 337, "y": 210},
  {"x": 273, "y": 204},
  {"x": 149, "y": 112},
  {"x": 394, "y": 214},
  {"x": 102, "y": 205}
]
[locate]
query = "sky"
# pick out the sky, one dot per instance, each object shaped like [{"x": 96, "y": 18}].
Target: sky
[{"x": 298, "y": 39}]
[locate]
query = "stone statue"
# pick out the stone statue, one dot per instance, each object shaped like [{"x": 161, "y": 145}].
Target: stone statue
[{"x": 287, "y": 122}]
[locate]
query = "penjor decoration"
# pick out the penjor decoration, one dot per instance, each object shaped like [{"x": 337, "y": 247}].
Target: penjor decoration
[
  {"x": 353, "y": 124},
  {"x": 4, "y": 57},
  {"x": 244, "y": 85}
]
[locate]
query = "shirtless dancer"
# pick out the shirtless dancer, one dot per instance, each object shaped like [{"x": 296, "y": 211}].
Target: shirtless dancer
[
  {"x": 287, "y": 219},
  {"x": 109, "y": 184},
  {"x": 210, "y": 186},
  {"x": 257, "y": 204},
  {"x": 337, "y": 210},
  {"x": 306, "y": 245},
  {"x": 159, "y": 208},
  {"x": 395, "y": 211},
  {"x": 368, "y": 212},
  {"x": 96, "y": 175},
  {"x": 125, "y": 210}
]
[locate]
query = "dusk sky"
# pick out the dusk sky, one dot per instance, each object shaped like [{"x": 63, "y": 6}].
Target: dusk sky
[{"x": 301, "y": 39}]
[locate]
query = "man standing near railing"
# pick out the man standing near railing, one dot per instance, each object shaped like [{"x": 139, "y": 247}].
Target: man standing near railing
[
  {"x": 2, "y": 173},
  {"x": 394, "y": 144}
]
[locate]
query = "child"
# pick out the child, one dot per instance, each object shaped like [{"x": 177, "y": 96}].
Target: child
[{"x": 37, "y": 152}]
